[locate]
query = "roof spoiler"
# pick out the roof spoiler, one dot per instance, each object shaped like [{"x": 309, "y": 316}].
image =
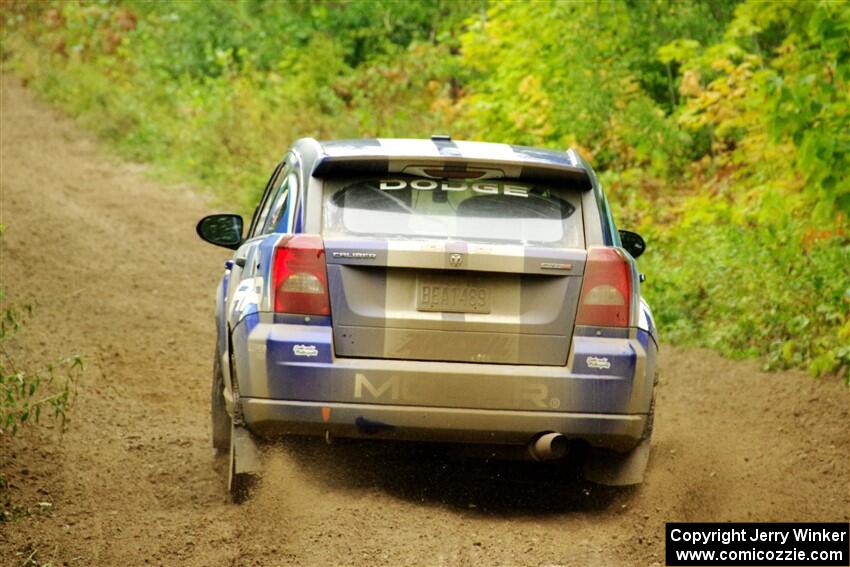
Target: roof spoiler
[{"x": 453, "y": 167}]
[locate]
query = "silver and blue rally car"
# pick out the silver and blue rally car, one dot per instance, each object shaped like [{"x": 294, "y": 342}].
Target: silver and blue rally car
[{"x": 434, "y": 290}]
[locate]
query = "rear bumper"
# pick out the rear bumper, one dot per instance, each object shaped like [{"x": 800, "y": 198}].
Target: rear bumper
[
  {"x": 415, "y": 423},
  {"x": 288, "y": 373}
]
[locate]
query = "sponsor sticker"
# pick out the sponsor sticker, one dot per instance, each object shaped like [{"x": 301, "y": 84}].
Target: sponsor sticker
[
  {"x": 598, "y": 362},
  {"x": 305, "y": 350}
]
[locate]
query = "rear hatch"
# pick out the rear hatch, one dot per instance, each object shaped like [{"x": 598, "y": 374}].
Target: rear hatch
[{"x": 452, "y": 269}]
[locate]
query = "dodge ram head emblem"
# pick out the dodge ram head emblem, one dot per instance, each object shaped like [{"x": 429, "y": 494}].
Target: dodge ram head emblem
[{"x": 456, "y": 260}]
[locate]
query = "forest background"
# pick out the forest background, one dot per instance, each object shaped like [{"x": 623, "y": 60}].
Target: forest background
[{"x": 721, "y": 129}]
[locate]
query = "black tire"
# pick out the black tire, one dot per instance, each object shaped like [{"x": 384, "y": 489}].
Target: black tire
[
  {"x": 650, "y": 417},
  {"x": 221, "y": 422}
]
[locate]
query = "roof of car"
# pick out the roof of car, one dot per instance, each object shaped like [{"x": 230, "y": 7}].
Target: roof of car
[
  {"x": 444, "y": 146},
  {"x": 376, "y": 155}
]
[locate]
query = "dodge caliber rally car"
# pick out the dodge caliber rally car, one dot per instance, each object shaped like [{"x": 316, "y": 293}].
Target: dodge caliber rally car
[{"x": 434, "y": 290}]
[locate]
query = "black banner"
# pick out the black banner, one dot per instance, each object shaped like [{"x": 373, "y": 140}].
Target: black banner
[{"x": 745, "y": 544}]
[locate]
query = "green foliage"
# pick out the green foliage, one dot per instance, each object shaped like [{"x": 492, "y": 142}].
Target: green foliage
[
  {"x": 560, "y": 73},
  {"x": 794, "y": 98},
  {"x": 24, "y": 395},
  {"x": 790, "y": 306},
  {"x": 772, "y": 208},
  {"x": 720, "y": 126}
]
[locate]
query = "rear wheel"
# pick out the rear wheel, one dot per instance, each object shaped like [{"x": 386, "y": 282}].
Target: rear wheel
[
  {"x": 650, "y": 418},
  {"x": 221, "y": 422}
]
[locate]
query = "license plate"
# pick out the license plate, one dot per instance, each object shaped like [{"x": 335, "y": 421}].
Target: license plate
[{"x": 452, "y": 297}]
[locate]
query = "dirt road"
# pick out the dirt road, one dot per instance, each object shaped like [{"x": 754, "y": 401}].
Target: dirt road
[{"x": 118, "y": 275}]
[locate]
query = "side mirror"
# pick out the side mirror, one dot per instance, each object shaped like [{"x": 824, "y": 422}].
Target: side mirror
[
  {"x": 221, "y": 230},
  {"x": 632, "y": 242}
]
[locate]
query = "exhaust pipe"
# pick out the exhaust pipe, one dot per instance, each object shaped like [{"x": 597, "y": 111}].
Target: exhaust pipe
[{"x": 548, "y": 446}]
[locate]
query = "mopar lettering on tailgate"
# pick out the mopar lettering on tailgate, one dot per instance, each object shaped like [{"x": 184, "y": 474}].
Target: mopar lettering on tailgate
[
  {"x": 520, "y": 394},
  {"x": 392, "y": 386}
]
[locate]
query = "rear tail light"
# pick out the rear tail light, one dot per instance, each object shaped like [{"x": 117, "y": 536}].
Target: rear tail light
[
  {"x": 606, "y": 294},
  {"x": 300, "y": 277}
]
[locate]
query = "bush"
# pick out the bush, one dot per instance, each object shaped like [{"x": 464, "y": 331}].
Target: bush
[{"x": 750, "y": 292}]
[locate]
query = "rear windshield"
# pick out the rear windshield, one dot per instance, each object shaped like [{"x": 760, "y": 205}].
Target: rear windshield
[{"x": 480, "y": 210}]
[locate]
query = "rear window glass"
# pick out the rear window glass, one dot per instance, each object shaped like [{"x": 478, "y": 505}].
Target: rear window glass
[{"x": 480, "y": 210}]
